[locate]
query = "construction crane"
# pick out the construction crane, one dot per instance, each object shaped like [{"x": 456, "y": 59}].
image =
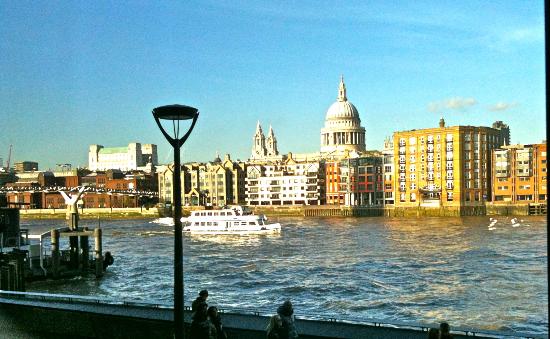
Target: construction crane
[{"x": 9, "y": 159}]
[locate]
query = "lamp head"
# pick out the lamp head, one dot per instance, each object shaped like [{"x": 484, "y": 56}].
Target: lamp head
[{"x": 175, "y": 112}]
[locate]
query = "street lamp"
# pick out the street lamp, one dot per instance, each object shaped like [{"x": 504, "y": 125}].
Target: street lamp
[{"x": 177, "y": 113}]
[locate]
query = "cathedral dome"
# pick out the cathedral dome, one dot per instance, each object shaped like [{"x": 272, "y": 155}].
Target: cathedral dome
[
  {"x": 342, "y": 109},
  {"x": 342, "y": 131}
]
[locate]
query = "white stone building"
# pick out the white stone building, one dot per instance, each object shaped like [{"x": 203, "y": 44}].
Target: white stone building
[{"x": 133, "y": 157}]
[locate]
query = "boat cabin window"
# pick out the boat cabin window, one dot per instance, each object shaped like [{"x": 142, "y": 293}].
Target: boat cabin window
[
  {"x": 203, "y": 223},
  {"x": 209, "y": 223},
  {"x": 222, "y": 213},
  {"x": 251, "y": 223},
  {"x": 243, "y": 223},
  {"x": 203, "y": 214},
  {"x": 210, "y": 213}
]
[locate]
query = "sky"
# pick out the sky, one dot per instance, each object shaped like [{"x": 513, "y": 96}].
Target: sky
[{"x": 76, "y": 73}]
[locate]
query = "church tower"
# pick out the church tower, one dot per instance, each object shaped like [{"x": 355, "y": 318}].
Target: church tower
[
  {"x": 271, "y": 143},
  {"x": 258, "y": 147}
]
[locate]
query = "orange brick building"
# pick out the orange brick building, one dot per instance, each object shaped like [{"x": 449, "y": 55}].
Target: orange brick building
[{"x": 519, "y": 174}]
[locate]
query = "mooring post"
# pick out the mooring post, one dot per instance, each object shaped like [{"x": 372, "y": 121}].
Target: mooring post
[
  {"x": 98, "y": 253},
  {"x": 73, "y": 241},
  {"x": 55, "y": 252},
  {"x": 84, "y": 254}
]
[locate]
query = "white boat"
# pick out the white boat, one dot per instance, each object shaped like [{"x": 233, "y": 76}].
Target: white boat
[{"x": 230, "y": 220}]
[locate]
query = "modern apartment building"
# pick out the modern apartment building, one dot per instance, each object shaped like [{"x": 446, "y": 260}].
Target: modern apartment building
[
  {"x": 519, "y": 174},
  {"x": 133, "y": 157},
  {"x": 286, "y": 183},
  {"x": 355, "y": 181},
  {"x": 445, "y": 166},
  {"x": 362, "y": 181}
]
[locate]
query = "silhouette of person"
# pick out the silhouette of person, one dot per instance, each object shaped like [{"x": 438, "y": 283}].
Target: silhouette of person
[
  {"x": 201, "y": 327},
  {"x": 203, "y": 295},
  {"x": 216, "y": 320},
  {"x": 444, "y": 331},
  {"x": 275, "y": 327},
  {"x": 286, "y": 312}
]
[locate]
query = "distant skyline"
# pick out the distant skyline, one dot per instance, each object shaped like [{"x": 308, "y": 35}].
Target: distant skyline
[{"x": 76, "y": 73}]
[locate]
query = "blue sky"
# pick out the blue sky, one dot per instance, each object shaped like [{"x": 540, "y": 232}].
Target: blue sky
[{"x": 75, "y": 73}]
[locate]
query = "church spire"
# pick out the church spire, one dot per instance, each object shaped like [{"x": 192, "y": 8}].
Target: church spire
[
  {"x": 271, "y": 143},
  {"x": 259, "y": 128},
  {"x": 342, "y": 90}
]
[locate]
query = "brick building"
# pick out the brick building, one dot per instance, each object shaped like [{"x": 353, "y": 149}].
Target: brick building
[{"x": 519, "y": 174}]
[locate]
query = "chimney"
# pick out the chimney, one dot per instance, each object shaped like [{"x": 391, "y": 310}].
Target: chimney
[{"x": 441, "y": 123}]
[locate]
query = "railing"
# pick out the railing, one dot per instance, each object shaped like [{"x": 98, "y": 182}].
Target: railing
[{"x": 78, "y": 299}]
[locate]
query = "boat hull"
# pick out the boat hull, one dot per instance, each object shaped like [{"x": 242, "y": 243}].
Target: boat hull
[{"x": 260, "y": 229}]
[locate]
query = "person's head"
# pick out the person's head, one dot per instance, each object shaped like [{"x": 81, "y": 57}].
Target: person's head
[
  {"x": 203, "y": 294},
  {"x": 213, "y": 312},
  {"x": 433, "y": 333},
  {"x": 287, "y": 304},
  {"x": 444, "y": 328}
]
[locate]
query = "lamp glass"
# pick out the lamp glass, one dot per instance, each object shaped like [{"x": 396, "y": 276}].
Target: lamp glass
[{"x": 175, "y": 112}]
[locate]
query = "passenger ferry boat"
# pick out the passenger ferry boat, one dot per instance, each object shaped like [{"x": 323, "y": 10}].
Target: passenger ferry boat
[{"x": 229, "y": 220}]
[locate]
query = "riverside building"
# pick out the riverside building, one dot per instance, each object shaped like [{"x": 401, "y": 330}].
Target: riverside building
[
  {"x": 285, "y": 182},
  {"x": 217, "y": 183},
  {"x": 135, "y": 156},
  {"x": 355, "y": 181},
  {"x": 388, "y": 163},
  {"x": 519, "y": 174},
  {"x": 445, "y": 166}
]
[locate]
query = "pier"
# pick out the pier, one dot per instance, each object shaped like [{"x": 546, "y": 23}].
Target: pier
[{"x": 24, "y": 257}]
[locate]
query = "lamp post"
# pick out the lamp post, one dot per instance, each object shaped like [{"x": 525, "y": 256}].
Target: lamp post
[{"x": 177, "y": 113}]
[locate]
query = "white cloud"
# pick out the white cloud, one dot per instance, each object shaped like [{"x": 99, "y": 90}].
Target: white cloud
[
  {"x": 501, "y": 106},
  {"x": 456, "y": 103}
]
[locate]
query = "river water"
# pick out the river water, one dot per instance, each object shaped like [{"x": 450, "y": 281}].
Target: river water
[{"x": 421, "y": 270}]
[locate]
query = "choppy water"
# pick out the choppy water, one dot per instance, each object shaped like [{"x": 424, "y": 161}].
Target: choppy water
[{"x": 417, "y": 270}]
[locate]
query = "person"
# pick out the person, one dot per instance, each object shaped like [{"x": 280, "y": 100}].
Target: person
[
  {"x": 433, "y": 333},
  {"x": 203, "y": 295},
  {"x": 108, "y": 260},
  {"x": 444, "y": 331},
  {"x": 275, "y": 327},
  {"x": 216, "y": 320},
  {"x": 201, "y": 327},
  {"x": 286, "y": 312}
]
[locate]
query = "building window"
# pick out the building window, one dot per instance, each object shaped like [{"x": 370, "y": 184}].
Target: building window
[{"x": 413, "y": 197}]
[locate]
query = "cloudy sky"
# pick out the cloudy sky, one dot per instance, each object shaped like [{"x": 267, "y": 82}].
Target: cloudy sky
[{"x": 75, "y": 73}]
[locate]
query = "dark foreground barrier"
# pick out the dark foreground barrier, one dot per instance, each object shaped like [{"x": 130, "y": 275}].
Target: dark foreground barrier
[{"x": 36, "y": 315}]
